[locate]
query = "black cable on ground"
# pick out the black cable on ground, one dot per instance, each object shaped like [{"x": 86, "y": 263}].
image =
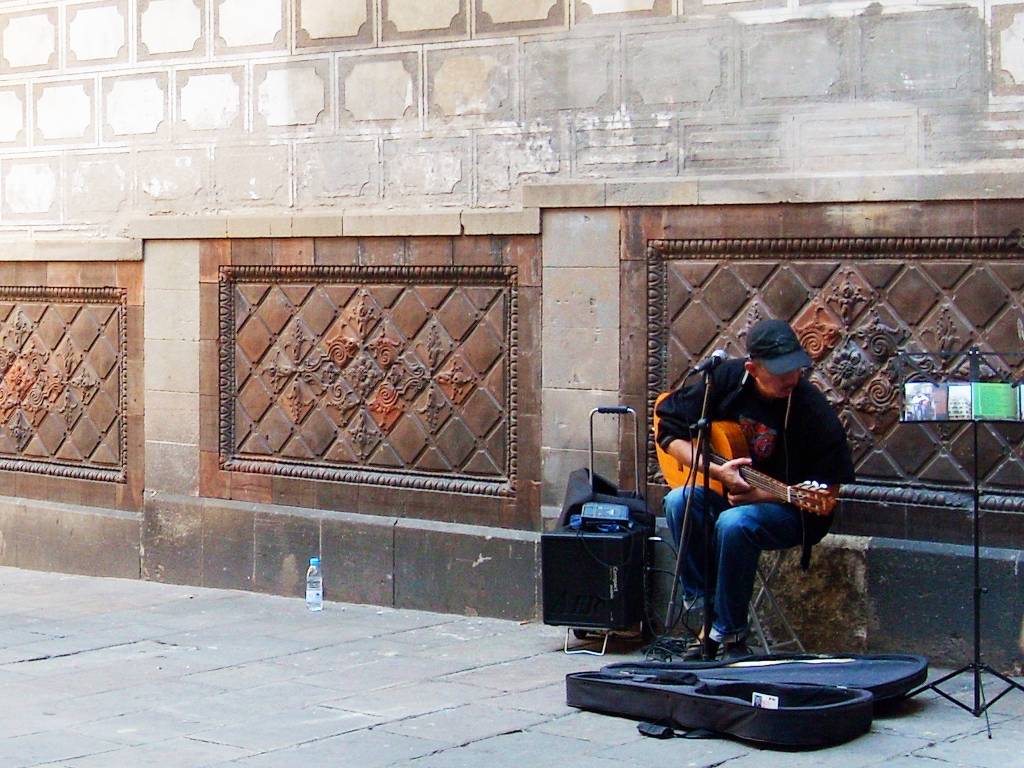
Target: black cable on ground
[{"x": 667, "y": 644}]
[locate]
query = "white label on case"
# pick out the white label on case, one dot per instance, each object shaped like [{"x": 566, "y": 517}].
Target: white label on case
[{"x": 764, "y": 701}]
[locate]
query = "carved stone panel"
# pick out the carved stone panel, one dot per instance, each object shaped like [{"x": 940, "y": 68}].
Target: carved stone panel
[
  {"x": 855, "y": 304},
  {"x": 63, "y": 382},
  {"x": 393, "y": 376}
]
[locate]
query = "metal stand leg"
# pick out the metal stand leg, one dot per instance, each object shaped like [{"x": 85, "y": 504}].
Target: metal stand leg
[
  {"x": 765, "y": 612},
  {"x": 587, "y": 651},
  {"x": 976, "y": 667}
]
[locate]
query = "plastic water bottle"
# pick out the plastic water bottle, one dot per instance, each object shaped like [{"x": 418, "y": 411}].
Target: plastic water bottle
[{"x": 314, "y": 585}]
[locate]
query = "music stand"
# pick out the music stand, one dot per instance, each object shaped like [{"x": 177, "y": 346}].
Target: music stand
[{"x": 912, "y": 412}]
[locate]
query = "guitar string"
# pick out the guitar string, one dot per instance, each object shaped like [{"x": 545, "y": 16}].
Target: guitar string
[
  {"x": 777, "y": 488},
  {"x": 757, "y": 479},
  {"x": 767, "y": 483}
]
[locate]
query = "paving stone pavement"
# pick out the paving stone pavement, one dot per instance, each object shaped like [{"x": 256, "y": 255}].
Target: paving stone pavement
[{"x": 97, "y": 673}]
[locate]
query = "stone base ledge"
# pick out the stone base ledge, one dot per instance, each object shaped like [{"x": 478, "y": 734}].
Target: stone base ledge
[
  {"x": 353, "y": 223},
  {"x": 380, "y": 560},
  {"x": 846, "y": 187},
  {"x": 920, "y": 597},
  {"x": 67, "y": 249},
  {"x": 69, "y": 538},
  {"x": 872, "y": 595},
  {"x": 879, "y": 595},
  {"x": 853, "y": 187}
]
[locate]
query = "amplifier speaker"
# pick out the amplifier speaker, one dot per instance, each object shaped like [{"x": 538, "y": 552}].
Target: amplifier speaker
[{"x": 593, "y": 580}]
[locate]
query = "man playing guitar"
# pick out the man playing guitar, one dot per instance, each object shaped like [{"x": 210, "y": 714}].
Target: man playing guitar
[{"x": 792, "y": 435}]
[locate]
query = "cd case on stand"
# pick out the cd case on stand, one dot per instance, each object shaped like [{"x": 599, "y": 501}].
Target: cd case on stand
[{"x": 962, "y": 401}]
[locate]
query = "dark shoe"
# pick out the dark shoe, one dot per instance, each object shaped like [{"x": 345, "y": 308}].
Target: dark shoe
[
  {"x": 695, "y": 650},
  {"x": 737, "y": 649}
]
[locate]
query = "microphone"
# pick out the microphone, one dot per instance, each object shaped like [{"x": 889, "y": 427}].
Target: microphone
[{"x": 713, "y": 361}]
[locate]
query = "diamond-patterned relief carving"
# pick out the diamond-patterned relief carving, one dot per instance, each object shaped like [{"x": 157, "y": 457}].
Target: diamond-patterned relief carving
[
  {"x": 913, "y": 293},
  {"x": 881, "y": 297},
  {"x": 880, "y": 339},
  {"x": 848, "y": 296},
  {"x": 63, "y": 382},
  {"x": 848, "y": 368},
  {"x": 391, "y": 376},
  {"x": 817, "y": 330},
  {"x": 944, "y": 332}
]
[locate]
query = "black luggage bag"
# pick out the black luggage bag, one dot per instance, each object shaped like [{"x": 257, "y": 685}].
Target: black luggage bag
[{"x": 592, "y": 565}]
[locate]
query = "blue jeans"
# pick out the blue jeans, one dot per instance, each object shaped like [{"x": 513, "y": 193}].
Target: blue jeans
[{"x": 741, "y": 534}]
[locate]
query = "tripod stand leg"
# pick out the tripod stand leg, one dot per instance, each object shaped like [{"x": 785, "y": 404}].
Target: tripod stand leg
[
  {"x": 1011, "y": 684},
  {"x": 934, "y": 685}
]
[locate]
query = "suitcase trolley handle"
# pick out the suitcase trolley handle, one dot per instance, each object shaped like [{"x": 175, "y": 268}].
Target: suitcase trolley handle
[
  {"x": 618, "y": 410},
  {"x": 622, "y": 410}
]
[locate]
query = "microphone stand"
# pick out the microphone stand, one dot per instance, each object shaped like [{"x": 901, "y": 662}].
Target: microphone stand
[
  {"x": 704, "y": 430},
  {"x": 701, "y": 463}
]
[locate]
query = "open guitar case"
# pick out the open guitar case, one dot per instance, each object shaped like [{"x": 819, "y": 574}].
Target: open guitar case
[{"x": 792, "y": 701}]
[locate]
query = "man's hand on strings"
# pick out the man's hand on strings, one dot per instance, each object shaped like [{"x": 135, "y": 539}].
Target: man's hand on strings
[
  {"x": 731, "y": 479},
  {"x": 737, "y": 490}
]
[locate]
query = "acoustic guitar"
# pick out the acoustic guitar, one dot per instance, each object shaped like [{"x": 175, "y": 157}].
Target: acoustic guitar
[{"x": 728, "y": 443}]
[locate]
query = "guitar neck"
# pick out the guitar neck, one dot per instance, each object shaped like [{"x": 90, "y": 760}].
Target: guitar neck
[
  {"x": 761, "y": 481},
  {"x": 727, "y": 440},
  {"x": 765, "y": 483}
]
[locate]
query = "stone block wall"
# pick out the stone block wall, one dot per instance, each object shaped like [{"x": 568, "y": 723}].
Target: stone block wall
[
  {"x": 72, "y": 453},
  {"x": 248, "y": 142},
  {"x": 580, "y": 360},
  {"x": 372, "y": 400},
  {"x": 896, "y": 577},
  {"x": 172, "y": 352},
  {"x": 115, "y": 109},
  {"x": 406, "y": 399}
]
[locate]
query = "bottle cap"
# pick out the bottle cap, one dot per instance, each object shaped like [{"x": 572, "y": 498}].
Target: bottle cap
[{"x": 314, "y": 561}]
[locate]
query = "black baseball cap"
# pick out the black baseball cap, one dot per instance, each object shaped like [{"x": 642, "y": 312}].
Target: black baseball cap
[{"x": 773, "y": 343}]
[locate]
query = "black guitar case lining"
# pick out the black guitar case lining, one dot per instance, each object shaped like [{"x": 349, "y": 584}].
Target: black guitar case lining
[
  {"x": 807, "y": 716},
  {"x": 821, "y": 701},
  {"x": 886, "y": 676}
]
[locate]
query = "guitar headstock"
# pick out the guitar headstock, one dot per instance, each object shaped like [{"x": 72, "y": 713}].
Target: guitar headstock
[{"x": 814, "y": 497}]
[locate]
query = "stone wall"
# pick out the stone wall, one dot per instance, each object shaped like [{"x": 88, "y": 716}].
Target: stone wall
[
  {"x": 72, "y": 456},
  {"x": 692, "y": 278},
  {"x": 115, "y": 109},
  {"x": 408, "y": 402},
  {"x": 372, "y": 400},
  {"x": 170, "y": 170}
]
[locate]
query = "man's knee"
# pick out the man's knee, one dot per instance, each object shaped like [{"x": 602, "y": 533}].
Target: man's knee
[
  {"x": 674, "y": 500},
  {"x": 673, "y": 505},
  {"x": 735, "y": 522},
  {"x": 753, "y": 525}
]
